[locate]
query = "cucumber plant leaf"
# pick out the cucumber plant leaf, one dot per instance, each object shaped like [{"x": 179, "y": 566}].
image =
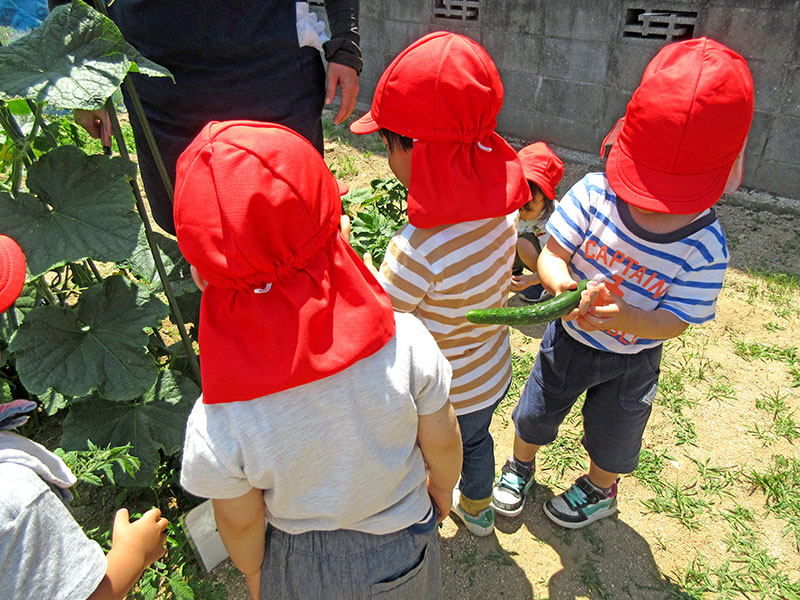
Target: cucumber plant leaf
[
  {"x": 142, "y": 264},
  {"x": 80, "y": 207},
  {"x": 156, "y": 422},
  {"x": 52, "y": 402},
  {"x": 77, "y": 58},
  {"x": 101, "y": 345}
]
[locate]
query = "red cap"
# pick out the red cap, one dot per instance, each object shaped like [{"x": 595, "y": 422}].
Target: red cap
[
  {"x": 12, "y": 272},
  {"x": 288, "y": 302},
  {"x": 541, "y": 166},
  {"x": 444, "y": 92},
  {"x": 683, "y": 129}
]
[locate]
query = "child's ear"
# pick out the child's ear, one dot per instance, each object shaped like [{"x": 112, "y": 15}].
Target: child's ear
[{"x": 198, "y": 280}]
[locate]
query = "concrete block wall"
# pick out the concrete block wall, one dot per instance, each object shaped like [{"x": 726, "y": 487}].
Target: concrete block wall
[{"x": 569, "y": 67}]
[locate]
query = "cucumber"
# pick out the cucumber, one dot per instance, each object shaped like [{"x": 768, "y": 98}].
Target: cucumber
[{"x": 529, "y": 315}]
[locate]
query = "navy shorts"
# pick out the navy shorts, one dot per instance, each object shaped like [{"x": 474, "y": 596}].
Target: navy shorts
[{"x": 619, "y": 395}]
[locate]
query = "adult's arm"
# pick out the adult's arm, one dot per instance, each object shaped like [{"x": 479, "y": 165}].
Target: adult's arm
[{"x": 343, "y": 54}]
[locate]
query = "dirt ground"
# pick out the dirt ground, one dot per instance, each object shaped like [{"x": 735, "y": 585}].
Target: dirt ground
[{"x": 644, "y": 553}]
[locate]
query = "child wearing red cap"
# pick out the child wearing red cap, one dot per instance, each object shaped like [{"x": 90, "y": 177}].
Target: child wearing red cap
[
  {"x": 646, "y": 230},
  {"x": 324, "y": 431},
  {"x": 543, "y": 170},
  {"x": 43, "y": 550},
  {"x": 436, "y": 108}
]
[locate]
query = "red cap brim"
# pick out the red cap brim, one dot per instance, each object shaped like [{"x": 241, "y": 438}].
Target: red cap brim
[
  {"x": 12, "y": 272},
  {"x": 662, "y": 192},
  {"x": 365, "y": 124}
]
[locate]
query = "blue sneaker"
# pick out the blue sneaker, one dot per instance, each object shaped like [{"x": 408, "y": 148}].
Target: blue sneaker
[{"x": 581, "y": 504}]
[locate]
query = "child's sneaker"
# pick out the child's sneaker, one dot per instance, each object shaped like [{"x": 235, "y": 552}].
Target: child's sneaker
[
  {"x": 508, "y": 495},
  {"x": 481, "y": 524},
  {"x": 581, "y": 504}
]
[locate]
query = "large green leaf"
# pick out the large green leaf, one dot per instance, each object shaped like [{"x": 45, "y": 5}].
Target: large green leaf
[
  {"x": 84, "y": 208},
  {"x": 100, "y": 346},
  {"x": 143, "y": 265},
  {"x": 76, "y": 58},
  {"x": 156, "y": 422}
]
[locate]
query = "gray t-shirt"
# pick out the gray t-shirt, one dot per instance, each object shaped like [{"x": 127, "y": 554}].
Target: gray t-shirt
[
  {"x": 337, "y": 453},
  {"x": 43, "y": 551}
]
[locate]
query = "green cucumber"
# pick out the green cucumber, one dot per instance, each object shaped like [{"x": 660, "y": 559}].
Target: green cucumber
[{"x": 529, "y": 315}]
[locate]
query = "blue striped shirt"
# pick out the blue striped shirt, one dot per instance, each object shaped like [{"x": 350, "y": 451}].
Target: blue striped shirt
[{"x": 680, "y": 271}]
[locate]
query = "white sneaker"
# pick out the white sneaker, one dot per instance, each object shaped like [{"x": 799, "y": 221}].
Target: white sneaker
[{"x": 481, "y": 524}]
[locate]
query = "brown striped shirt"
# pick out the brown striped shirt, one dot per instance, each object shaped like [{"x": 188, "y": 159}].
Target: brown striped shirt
[{"x": 442, "y": 272}]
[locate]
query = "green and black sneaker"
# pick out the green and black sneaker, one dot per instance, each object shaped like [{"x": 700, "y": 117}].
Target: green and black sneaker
[{"x": 581, "y": 504}]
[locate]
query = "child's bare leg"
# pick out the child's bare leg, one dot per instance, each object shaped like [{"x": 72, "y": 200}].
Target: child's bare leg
[
  {"x": 599, "y": 477},
  {"x": 523, "y": 451}
]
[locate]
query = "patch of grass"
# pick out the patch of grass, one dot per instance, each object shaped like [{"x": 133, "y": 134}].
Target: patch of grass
[
  {"x": 501, "y": 556},
  {"x": 715, "y": 480},
  {"x": 694, "y": 367},
  {"x": 780, "y": 484},
  {"x": 671, "y": 391},
  {"x": 722, "y": 389},
  {"x": 341, "y": 133},
  {"x": 590, "y": 576},
  {"x": 521, "y": 363},
  {"x": 469, "y": 559},
  {"x": 595, "y": 540},
  {"x": 345, "y": 167},
  {"x": 563, "y": 454},
  {"x": 756, "y": 350},
  {"x": 739, "y": 517},
  {"x": 679, "y": 501},
  {"x": 750, "y": 572},
  {"x": 783, "y": 423},
  {"x": 651, "y": 467},
  {"x": 685, "y": 432},
  {"x": 773, "y": 326}
]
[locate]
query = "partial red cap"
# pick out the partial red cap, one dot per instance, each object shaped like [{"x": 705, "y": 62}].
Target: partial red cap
[
  {"x": 442, "y": 88},
  {"x": 684, "y": 128},
  {"x": 444, "y": 92},
  {"x": 288, "y": 301},
  {"x": 12, "y": 272},
  {"x": 542, "y": 166}
]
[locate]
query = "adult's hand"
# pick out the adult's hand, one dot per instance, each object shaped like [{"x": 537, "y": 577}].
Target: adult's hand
[
  {"x": 96, "y": 123},
  {"x": 345, "y": 78}
]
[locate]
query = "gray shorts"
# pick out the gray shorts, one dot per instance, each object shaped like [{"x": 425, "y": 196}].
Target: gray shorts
[{"x": 344, "y": 564}]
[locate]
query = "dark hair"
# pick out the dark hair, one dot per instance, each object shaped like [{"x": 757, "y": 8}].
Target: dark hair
[
  {"x": 549, "y": 205},
  {"x": 393, "y": 140}
]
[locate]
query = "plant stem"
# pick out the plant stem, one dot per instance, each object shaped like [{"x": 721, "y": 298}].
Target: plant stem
[
  {"x": 93, "y": 267},
  {"x": 50, "y": 137},
  {"x": 41, "y": 286},
  {"x": 154, "y": 249}
]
